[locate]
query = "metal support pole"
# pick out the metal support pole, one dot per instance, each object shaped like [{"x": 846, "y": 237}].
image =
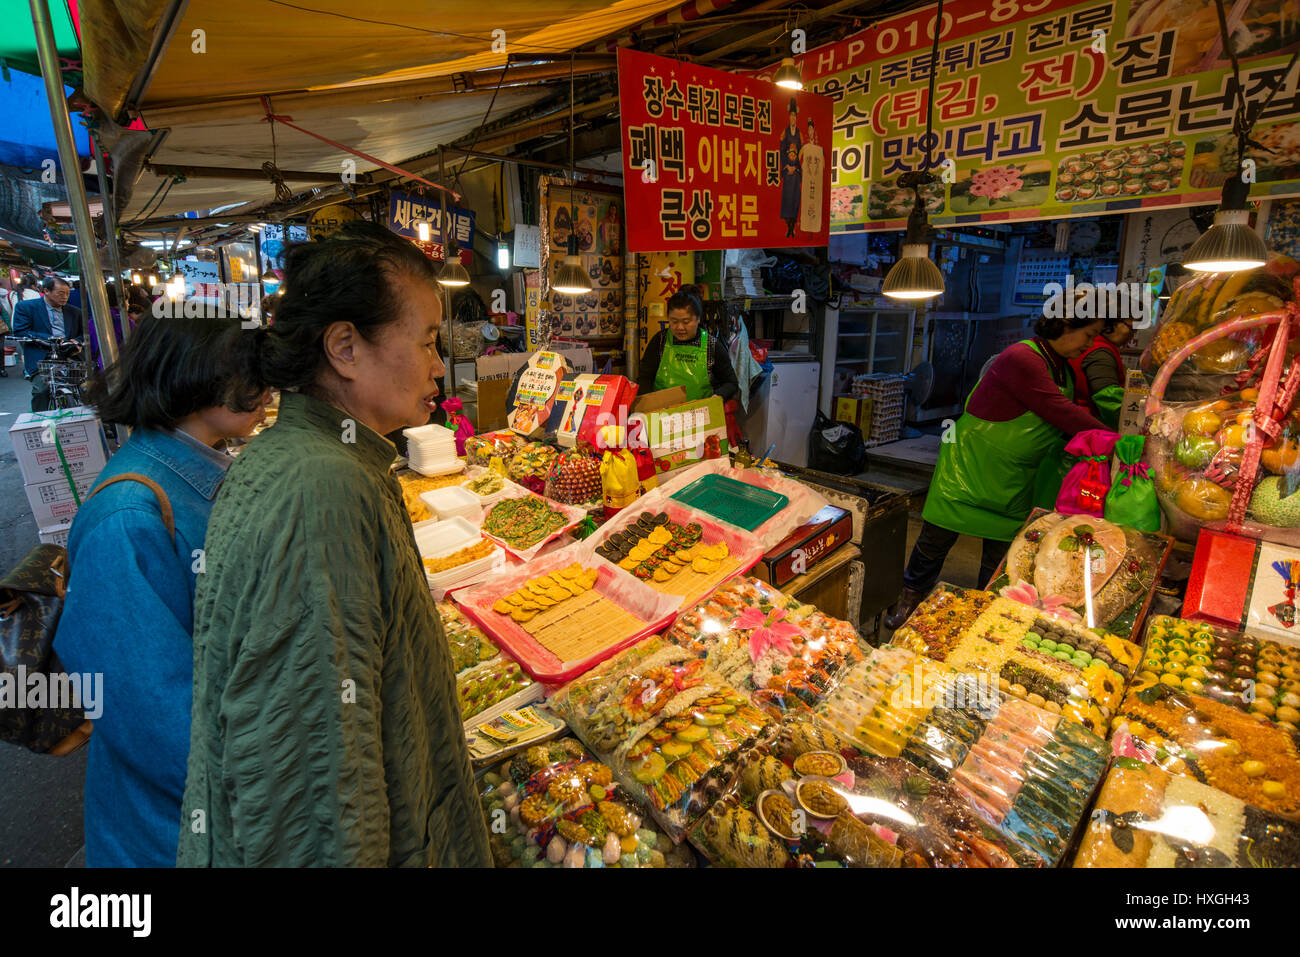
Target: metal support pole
[
  {"x": 448, "y": 318},
  {"x": 110, "y": 232},
  {"x": 87, "y": 249}
]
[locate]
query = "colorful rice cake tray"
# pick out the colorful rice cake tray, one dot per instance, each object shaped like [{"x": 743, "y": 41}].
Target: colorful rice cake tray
[
  {"x": 883, "y": 811},
  {"x": 1050, "y": 662},
  {"x": 469, "y": 645},
  {"x": 668, "y": 726},
  {"x": 552, "y": 805},
  {"x": 677, "y": 550},
  {"x": 1242, "y": 754},
  {"x": 1030, "y": 773},
  {"x": 1146, "y": 817},
  {"x": 1254, "y": 675},
  {"x": 785, "y": 655},
  {"x": 1045, "y": 568}
]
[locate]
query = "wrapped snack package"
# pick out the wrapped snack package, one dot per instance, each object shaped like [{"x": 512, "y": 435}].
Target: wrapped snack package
[
  {"x": 574, "y": 479},
  {"x": 530, "y": 465},
  {"x": 1189, "y": 734},
  {"x": 1207, "y": 301},
  {"x": 1145, "y": 817},
  {"x": 1048, "y": 661},
  {"x": 1027, "y": 771},
  {"x": 784, "y": 654},
  {"x": 1195, "y": 453},
  {"x": 805, "y": 796},
  {"x": 484, "y": 677},
  {"x": 552, "y": 805},
  {"x": 470, "y": 647},
  {"x": 1254, "y": 675},
  {"x": 1083, "y": 492},
  {"x": 1084, "y": 569},
  {"x": 668, "y": 726},
  {"x": 479, "y": 449}
]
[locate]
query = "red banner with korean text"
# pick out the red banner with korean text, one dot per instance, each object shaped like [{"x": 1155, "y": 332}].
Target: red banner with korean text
[
  {"x": 712, "y": 160},
  {"x": 1050, "y": 108}
]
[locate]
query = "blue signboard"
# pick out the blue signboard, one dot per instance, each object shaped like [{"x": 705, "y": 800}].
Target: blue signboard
[{"x": 407, "y": 210}]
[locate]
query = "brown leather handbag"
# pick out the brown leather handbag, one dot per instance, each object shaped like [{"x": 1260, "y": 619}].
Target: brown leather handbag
[{"x": 31, "y": 601}]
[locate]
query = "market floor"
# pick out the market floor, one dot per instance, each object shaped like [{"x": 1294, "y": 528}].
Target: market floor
[{"x": 40, "y": 797}]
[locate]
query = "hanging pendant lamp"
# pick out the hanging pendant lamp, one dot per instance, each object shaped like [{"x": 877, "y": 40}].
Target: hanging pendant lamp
[
  {"x": 788, "y": 76},
  {"x": 571, "y": 279}
]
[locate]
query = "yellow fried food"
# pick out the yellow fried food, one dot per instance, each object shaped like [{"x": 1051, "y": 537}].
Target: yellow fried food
[
  {"x": 503, "y": 607},
  {"x": 558, "y": 594},
  {"x": 662, "y": 574},
  {"x": 687, "y": 554},
  {"x": 629, "y": 563},
  {"x": 530, "y": 606},
  {"x": 545, "y": 602},
  {"x": 521, "y": 616},
  {"x": 704, "y": 566},
  {"x": 515, "y": 599},
  {"x": 660, "y": 536},
  {"x": 573, "y": 571}
]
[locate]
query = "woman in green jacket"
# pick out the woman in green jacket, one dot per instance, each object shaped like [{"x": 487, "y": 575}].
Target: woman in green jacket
[
  {"x": 326, "y": 729},
  {"x": 1003, "y": 456}
]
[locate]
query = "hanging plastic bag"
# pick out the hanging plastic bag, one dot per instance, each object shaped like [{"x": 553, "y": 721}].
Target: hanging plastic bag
[
  {"x": 1132, "y": 499},
  {"x": 835, "y": 447},
  {"x": 458, "y": 422},
  {"x": 1084, "y": 490}
]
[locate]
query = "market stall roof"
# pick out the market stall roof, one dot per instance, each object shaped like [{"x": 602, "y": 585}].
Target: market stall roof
[
  {"x": 390, "y": 79},
  {"x": 18, "y": 39}
]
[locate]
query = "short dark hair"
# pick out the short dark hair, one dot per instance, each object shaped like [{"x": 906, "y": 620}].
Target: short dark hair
[
  {"x": 345, "y": 278},
  {"x": 172, "y": 368},
  {"x": 51, "y": 281},
  {"x": 688, "y": 297}
]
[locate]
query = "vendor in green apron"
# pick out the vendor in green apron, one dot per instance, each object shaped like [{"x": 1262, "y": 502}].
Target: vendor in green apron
[
  {"x": 1003, "y": 457},
  {"x": 685, "y": 355}
]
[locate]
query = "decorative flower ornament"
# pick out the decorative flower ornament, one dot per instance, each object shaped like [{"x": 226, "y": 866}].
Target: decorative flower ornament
[
  {"x": 1027, "y": 594},
  {"x": 767, "y": 631}
]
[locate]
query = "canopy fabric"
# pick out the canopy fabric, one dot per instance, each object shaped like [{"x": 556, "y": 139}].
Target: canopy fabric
[
  {"x": 18, "y": 36},
  {"x": 269, "y": 47}
]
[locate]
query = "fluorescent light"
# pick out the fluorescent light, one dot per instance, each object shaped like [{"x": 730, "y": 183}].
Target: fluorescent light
[{"x": 422, "y": 230}]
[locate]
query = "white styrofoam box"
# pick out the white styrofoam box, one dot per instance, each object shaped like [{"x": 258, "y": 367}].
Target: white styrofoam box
[
  {"x": 452, "y": 502},
  {"x": 53, "y": 502},
  {"x": 79, "y": 435},
  {"x": 436, "y": 539},
  {"x": 56, "y": 535}
]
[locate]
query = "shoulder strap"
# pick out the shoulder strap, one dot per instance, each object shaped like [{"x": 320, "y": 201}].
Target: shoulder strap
[{"x": 163, "y": 502}]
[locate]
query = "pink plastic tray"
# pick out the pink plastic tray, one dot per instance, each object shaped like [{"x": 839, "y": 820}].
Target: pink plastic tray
[
  {"x": 656, "y": 610},
  {"x": 572, "y": 514}
]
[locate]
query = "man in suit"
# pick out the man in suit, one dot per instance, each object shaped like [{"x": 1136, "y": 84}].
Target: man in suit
[{"x": 49, "y": 317}]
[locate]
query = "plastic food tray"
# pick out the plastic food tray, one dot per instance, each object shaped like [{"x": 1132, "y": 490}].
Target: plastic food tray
[
  {"x": 655, "y": 610},
  {"x": 452, "y": 502},
  {"x": 744, "y": 506},
  {"x": 573, "y": 517},
  {"x": 435, "y": 539}
]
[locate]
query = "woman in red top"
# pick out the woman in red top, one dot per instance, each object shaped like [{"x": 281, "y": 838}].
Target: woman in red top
[{"x": 1099, "y": 373}]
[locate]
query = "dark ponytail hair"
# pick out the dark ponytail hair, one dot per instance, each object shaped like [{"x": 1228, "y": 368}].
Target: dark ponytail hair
[
  {"x": 688, "y": 297},
  {"x": 172, "y": 368},
  {"x": 348, "y": 277}
]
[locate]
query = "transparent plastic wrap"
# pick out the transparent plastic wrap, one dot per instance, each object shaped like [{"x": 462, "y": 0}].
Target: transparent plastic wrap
[
  {"x": 1250, "y": 674},
  {"x": 1145, "y": 817},
  {"x": 530, "y": 464},
  {"x": 1029, "y": 772},
  {"x": 574, "y": 479},
  {"x": 676, "y": 550},
  {"x": 525, "y": 523},
  {"x": 1242, "y": 754},
  {"x": 552, "y": 805},
  {"x": 414, "y": 485},
  {"x": 1052, "y": 663},
  {"x": 468, "y": 644},
  {"x": 777, "y": 811},
  {"x": 1084, "y": 569},
  {"x": 1195, "y": 451},
  {"x": 784, "y": 654},
  {"x": 668, "y": 726},
  {"x": 1205, "y": 302},
  {"x": 559, "y": 616},
  {"x": 480, "y": 449}
]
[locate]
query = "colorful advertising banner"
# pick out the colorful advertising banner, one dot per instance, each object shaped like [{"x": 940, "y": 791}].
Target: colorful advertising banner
[
  {"x": 1050, "y": 108},
  {"x": 595, "y": 217},
  {"x": 713, "y": 160}
]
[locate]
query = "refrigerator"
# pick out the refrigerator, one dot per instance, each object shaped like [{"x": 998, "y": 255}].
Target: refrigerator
[{"x": 782, "y": 411}]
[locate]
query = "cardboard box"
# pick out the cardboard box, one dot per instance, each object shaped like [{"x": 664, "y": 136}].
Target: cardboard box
[
  {"x": 495, "y": 374},
  {"x": 53, "y": 502},
  {"x": 663, "y": 399},
  {"x": 79, "y": 436},
  {"x": 588, "y": 402},
  {"x": 806, "y": 546},
  {"x": 855, "y": 410},
  {"x": 56, "y": 535},
  {"x": 681, "y": 435}
]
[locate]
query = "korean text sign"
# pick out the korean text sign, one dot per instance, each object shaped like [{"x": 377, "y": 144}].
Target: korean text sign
[
  {"x": 1049, "y": 108},
  {"x": 407, "y": 210},
  {"x": 712, "y": 160}
]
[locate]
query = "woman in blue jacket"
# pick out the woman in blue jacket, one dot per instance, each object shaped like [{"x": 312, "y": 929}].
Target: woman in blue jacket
[{"x": 129, "y": 609}]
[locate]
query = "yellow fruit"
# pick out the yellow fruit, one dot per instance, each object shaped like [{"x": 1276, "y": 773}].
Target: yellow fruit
[
  {"x": 1250, "y": 395},
  {"x": 1202, "y": 499},
  {"x": 1202, "y": 422},
  {"x": 1233, "y": 437},
  {"x": 1280, "y": 458},
  {"x": 1222, "y": 356}
]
